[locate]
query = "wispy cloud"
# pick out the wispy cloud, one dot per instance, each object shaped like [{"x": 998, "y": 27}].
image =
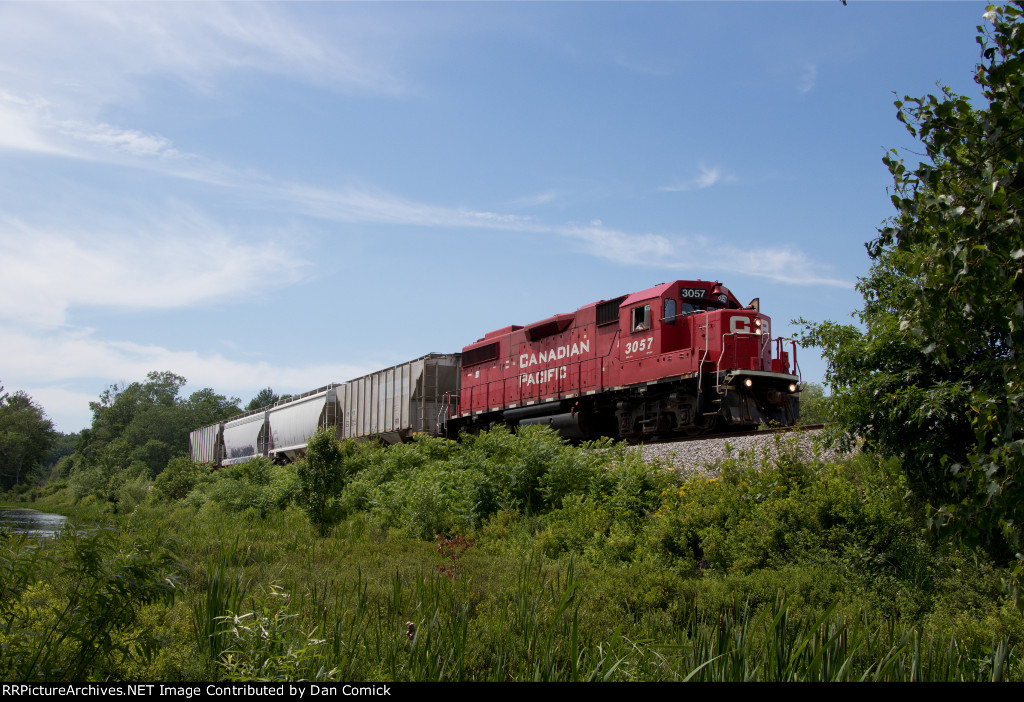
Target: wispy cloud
[
  {"x": 707, "y": 177},
  {"x": 528, "y": 201},
  {"x": 681, "y": 251},
  {"x": 65, "y": 355},
  {"x": 62, "y": 66},
  {"x": 168, "y": 259},
  {"x": 52, "y": 101},
  {"x": 55, "y": 368},
  {"x": 356, "y": 204},
  {"x": 370, "y": 205},
  {"x": 692, "y": 254},
  {"x": 20, "y": 131},
  {"x": 808, "y": 79},
  {"x": 116, "y": 139},
  {"x": 100, "y": 49}
]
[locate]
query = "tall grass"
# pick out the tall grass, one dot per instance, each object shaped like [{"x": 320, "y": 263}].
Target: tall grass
[
  {"x": 577, "y": 564},
  {"x": 424, "y": 629}
]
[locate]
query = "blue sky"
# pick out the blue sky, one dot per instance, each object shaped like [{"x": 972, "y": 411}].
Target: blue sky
[{"x": 291, "y": 194}]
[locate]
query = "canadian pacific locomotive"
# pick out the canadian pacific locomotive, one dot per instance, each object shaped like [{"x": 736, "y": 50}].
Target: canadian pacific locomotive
[{"x": 679, "y": 358}]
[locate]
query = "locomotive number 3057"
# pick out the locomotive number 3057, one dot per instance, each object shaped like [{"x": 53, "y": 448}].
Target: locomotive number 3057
[{"x": 640, "y": 345}]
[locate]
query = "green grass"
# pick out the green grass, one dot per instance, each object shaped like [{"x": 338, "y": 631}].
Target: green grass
[{"x": 584, "y": 564}]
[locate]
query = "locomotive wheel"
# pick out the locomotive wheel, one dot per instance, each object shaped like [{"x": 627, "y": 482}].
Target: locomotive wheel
[{"x": 705, "y": 427}]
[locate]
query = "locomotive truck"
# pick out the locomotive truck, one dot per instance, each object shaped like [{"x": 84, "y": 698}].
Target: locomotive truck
[{"x": 681, "y": 358}]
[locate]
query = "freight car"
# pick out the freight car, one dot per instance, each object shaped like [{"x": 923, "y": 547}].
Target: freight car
[
  {"x": 391, "y": 405},
  {"x": 679, "y": 358}
]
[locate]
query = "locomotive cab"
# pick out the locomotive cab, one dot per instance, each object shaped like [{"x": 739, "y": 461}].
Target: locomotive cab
[
  {"x": 671, "y": 316},
  {"x": 692, "y": 356}
]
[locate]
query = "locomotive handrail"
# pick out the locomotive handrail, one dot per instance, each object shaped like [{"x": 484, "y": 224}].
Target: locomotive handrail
[
  {"x": 700, "y": 366},
  {"x": 718, "y": 364},
  {"x": 445, "y": 411},
  {"x": 796, "y": 366}
]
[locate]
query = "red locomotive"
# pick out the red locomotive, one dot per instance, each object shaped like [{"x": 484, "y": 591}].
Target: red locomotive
[{"x": 681, "y": 357}]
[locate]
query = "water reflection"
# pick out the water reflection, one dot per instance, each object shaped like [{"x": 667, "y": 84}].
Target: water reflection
[{"x": 30, "y": 521}]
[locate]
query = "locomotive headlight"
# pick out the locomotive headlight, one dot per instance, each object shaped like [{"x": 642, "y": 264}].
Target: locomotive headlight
[
  {"x": 792, "y": 387},
  {"x": 757, "y": 322},
  {"x": 748, "y": 382}
]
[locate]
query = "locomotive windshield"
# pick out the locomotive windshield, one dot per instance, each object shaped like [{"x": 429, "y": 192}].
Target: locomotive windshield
[
  {"x": 698, "y": 299},
  {"x": 691, "y": 306}
]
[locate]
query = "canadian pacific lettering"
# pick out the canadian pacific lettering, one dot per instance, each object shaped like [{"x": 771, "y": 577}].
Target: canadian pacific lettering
[
  {"x": 557, "y": 354},
  {"x": 544, "y": 376}
]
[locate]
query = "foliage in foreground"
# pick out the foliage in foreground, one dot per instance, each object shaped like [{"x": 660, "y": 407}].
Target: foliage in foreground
[
  {"x": 934, "y": 378},
  {"x": 580, "y": 564},
  {"x": 71, "y": 609}
]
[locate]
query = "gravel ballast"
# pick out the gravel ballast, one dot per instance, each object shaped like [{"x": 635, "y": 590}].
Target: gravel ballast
[{"x": 698, "y": 457}]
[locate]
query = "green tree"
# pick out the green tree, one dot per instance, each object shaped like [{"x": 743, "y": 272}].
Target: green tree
[
  {"x": 148, "y": 422},
  {"x": 137, "y": 429},
  {"x": 264, "y": 397},
  {"x": 205, "y": 407},
  {"x": 321, "y": 479},
  {"x": 813, "y": 404},
  {"x": 63, "y": 445},
  {"x": 25, "y": 437},
  {"x": 934, "y": 376}
]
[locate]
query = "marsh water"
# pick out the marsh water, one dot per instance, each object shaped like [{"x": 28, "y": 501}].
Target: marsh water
[{"x": 31, "y": 521}]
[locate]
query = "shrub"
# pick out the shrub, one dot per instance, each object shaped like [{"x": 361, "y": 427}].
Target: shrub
[{"x": 178, "y": 479}]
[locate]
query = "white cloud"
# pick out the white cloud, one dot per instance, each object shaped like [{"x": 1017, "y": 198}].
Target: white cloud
[
  {"x": 680, "y": 252},
  {"x": 368, "y": 205},
  {"x": 27, "y": 124},
  {"x": 67, "y": 409},
  {"x": 116, "y": 139},
  {"x": 86, "y": 357},
  {"x": 45, "y": 364},
  {"x": 618, "y": 246},
  {"x": 63, "y": 65},
  {"x": 808, "y": 79},
  {"x": 529, "y": 201},
  {"x": 176, "y": 258},
  {"x": 690, "y": 255},
  {"x": 20, "y": 132},
  {"x": 707, "y": 177},
  {"x": 96, "y": 51}
]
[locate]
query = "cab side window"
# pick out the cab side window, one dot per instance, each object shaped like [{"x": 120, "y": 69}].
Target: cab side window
[
  {"x": 641, "y": 318},
  {"x": 670, "y": 311}
]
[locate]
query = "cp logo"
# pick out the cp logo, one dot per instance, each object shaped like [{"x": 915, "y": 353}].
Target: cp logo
[{"x": 739, "y": 325}]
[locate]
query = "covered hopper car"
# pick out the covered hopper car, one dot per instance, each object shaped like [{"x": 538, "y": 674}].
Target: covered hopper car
[{"x": 679, "y": 358}]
